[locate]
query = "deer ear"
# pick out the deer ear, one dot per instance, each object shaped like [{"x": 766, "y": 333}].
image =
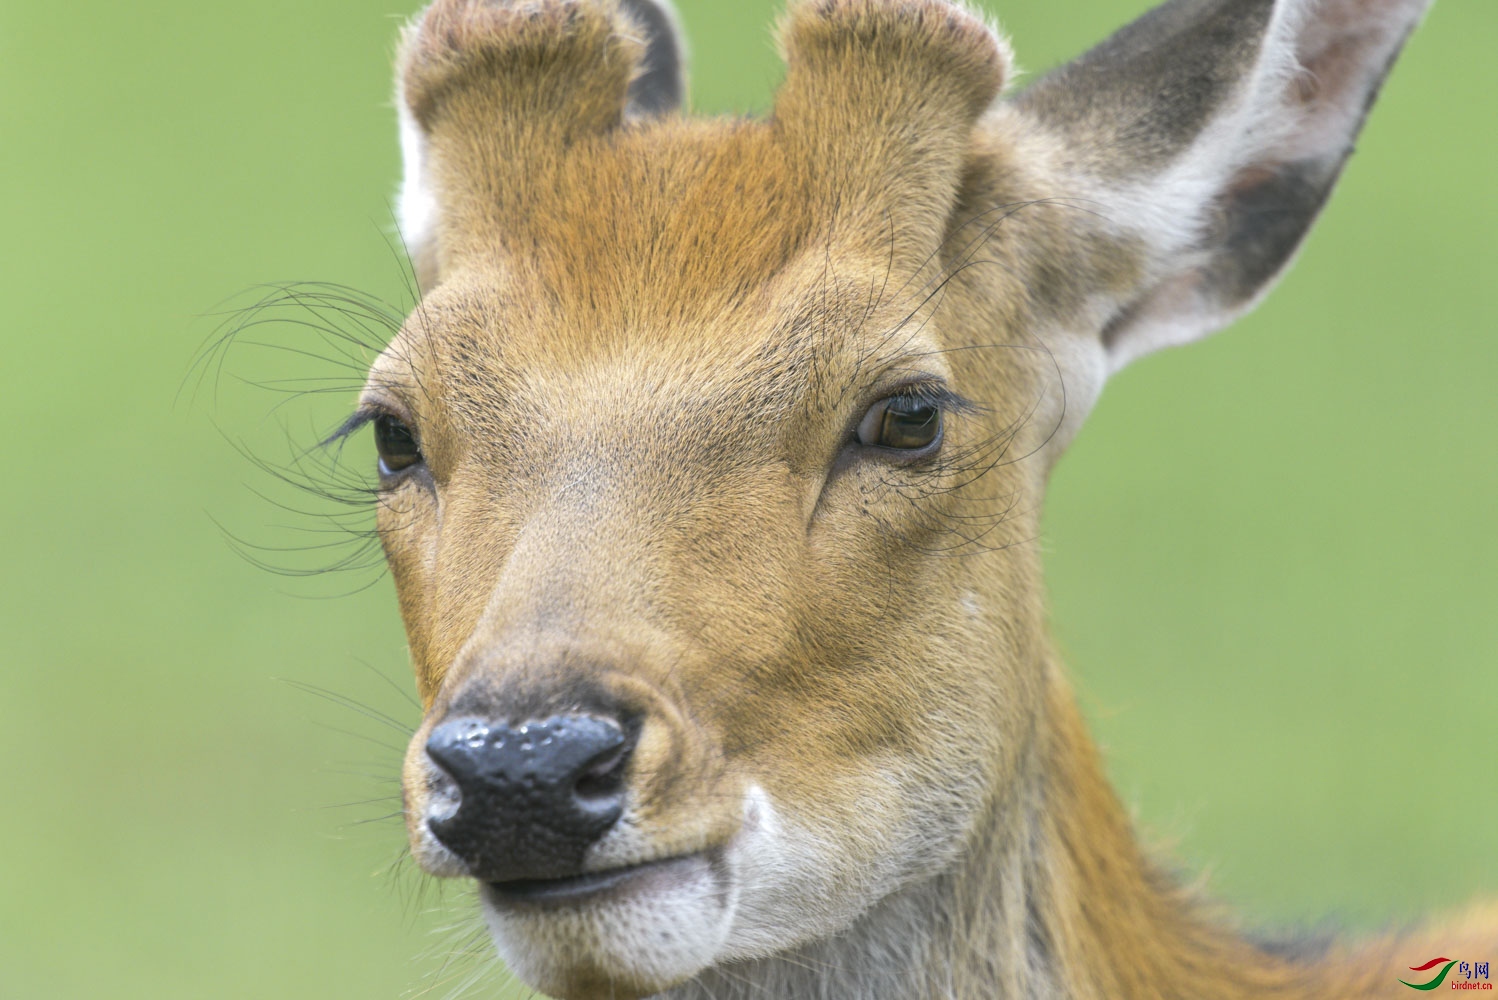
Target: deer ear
[
  {"x": 1208, "y": 135},
  {"x": 661, "y": 84},
  {"x": 491, "y": 93}
]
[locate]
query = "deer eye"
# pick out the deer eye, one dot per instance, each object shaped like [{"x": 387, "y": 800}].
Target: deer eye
[
  {"x": 396, "y": 443},
  {"x": 908, "y": 423}
]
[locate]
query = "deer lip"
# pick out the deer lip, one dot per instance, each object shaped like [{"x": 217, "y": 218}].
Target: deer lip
[{"x": 579, "y": 888}]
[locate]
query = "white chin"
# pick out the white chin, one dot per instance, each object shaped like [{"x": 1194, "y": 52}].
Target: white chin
[{"x": 636, "y": 934}]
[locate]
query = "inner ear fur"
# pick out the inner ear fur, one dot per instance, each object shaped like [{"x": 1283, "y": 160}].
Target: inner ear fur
[
  {"x": 878, "y": 108},
  {"x": 1208, "y": 135}
]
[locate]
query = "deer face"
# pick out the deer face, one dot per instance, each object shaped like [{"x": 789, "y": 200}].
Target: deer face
[
  {"x": 710, "y": 458},
  {"x": 681, "y": 462},
  {"x": 723, "y": 512}
]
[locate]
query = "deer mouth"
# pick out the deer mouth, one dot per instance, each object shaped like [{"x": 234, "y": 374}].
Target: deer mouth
[
  {"x": 627, "y": 931},
  {"x": 660, "y": 874}
]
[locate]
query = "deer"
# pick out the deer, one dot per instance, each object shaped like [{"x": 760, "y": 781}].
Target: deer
[{"x": 711, "y": 461}]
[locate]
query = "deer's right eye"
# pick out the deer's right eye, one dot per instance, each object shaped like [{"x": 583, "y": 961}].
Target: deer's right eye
[{"x": 396, "y": 443}]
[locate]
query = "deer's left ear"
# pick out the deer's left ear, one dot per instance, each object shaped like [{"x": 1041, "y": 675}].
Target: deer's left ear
[{"x": 1208, "y": 135}]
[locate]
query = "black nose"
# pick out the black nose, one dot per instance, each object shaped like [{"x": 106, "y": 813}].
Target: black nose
[{"x": 532, "y": 798}]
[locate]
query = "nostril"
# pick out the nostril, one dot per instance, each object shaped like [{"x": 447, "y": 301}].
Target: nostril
[
  {"x": 604, "y": 777},
  {"x": 443, "y": 796}
]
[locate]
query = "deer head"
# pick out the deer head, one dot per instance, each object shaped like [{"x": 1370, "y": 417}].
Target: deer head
[{"x": 712, "y": 458}]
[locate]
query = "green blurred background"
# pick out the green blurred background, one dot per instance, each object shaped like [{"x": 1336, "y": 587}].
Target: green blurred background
[{"x": 1273, "y": 556}]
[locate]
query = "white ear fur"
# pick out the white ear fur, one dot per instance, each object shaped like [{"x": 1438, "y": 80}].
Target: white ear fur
[
  {"x": 416, "y": 204},
  {"x": 1172, "y": 211}
]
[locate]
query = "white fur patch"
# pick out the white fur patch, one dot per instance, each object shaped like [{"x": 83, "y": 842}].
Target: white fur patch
[{"x": 416, "y": 204}]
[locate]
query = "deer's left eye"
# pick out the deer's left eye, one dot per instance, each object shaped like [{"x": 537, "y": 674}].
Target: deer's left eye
[
  {"x": 396, "y": 443},
  {"x": 908, "y": 423}
]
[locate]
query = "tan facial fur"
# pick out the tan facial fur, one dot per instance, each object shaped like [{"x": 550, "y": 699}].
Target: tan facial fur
[{"x": 636, "y": 378}]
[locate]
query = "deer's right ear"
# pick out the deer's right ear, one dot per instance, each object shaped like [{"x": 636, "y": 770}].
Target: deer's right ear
[{"x": 490, "y": 93}]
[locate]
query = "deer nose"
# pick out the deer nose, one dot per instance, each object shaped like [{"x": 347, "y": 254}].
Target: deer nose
[{"x": 531, "y": 798}]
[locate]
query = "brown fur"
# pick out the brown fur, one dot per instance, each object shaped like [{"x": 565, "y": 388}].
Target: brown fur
[{"x": 633, "y": 377}]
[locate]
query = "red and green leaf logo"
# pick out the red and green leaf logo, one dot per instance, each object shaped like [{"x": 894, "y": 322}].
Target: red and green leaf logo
[{"x": 1426, "y": 968}]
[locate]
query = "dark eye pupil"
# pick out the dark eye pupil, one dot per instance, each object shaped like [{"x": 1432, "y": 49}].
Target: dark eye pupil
[
  {"x": 909, "y": 423},
  {"x": 396, "y": 444}
]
